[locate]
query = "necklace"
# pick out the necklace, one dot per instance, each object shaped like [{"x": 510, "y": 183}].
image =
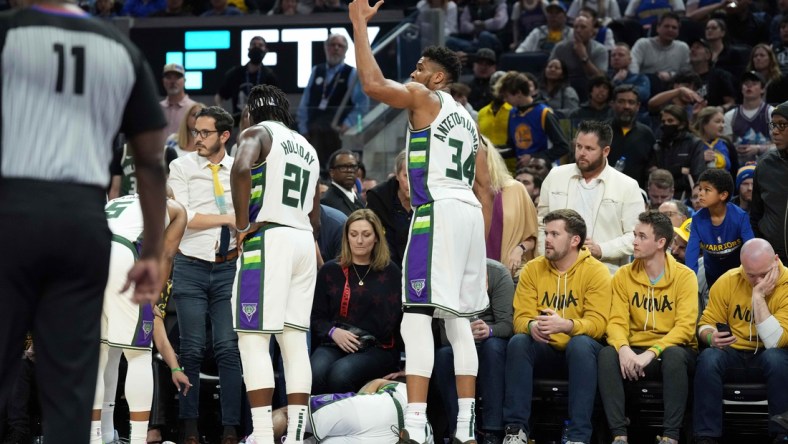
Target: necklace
[{"x": 361, "y": 279}]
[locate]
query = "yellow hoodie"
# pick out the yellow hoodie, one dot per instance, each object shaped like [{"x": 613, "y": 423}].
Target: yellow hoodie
[
  {"x": 730, "y": 302},
  {"x": 582, "y": 294},
  {"x": 656, "y": 316}
]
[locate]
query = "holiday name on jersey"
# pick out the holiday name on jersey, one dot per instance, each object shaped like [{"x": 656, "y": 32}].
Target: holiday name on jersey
[
  {"x": 456, "y": 119},
  {"x": 291, "y": 147}
]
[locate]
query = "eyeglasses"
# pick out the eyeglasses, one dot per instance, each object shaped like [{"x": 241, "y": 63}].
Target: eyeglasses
[
  {"x": 349, "y": 168},
  {"x": 202, "y": 133},
  {"x": 779, "y": 126}
]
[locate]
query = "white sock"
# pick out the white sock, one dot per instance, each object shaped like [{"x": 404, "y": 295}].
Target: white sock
[
  {"x": 139, "y": 432},
  {"x": 95, "y": 432},
  {"x": 416, "y": 421},
  {"x": 296, "y": 421},
  {"x": 262, "y": 424},
  {"x": 466, "y": 419},
  {"x": 108, "y": 421}
]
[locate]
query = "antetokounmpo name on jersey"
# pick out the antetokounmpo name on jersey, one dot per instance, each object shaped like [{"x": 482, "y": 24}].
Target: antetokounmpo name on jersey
[
  {"x": 452, "y": 120},
  {"x": 291, "y": 147}
]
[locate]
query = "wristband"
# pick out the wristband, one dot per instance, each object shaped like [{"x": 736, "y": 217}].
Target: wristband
[
  {"x": 708, "y": 338},
  {"x": 176, "y": 369},
  {"x": 490, "y": 333},
  {"x": 522, "y": 247},
  {"x": 244, "y": 230},
  {"x": 331, "y": 332}
]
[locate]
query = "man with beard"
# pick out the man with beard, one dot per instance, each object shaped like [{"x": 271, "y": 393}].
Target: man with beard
[
  {"x": 561, "y": 307},
  {"x": 631, "y": 139},
  {"x": 327, "y": 86},
  {"x": 744, "y": 185},
  {"x": 608, "y": 200},
  {"x": 177, "y": 102},
  {"x": 204, "y": 269},
  {"x": 445, "y": 270},
  {"x": 239, "y": 80}
]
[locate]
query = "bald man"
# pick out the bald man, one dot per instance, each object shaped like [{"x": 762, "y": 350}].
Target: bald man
[{"x": 752, "y": 300}]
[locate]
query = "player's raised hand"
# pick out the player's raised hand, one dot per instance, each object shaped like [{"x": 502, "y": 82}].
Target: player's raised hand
[
  {"x": 361, "y": 11},
  {"x": 145, "y": 276}
]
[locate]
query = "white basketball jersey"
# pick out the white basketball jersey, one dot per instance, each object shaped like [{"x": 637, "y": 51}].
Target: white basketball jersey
[
  {"x": 124, "y": 217},
  {"x": 442, "y": 157},
  {"x": 287, "y": 179}
]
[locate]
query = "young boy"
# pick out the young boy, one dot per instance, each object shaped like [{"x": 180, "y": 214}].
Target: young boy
[
  {"x": 533, "y": 128},
  {"x": 719, "y": 228}
]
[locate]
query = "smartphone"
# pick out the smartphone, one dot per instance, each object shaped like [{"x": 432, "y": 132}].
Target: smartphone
[{"x": 723, "y": 328}]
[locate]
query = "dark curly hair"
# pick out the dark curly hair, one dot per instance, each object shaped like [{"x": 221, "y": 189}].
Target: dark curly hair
[
  {"x": 447, "y": 59},
  {"x": 267, "y": 102}
]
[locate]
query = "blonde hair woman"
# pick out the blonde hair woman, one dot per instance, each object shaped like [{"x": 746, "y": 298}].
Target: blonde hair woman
[
  {"x": 357, "y": 310},
  {"x": 513, "y": 227},
  {"x": 182, "y": 141}
]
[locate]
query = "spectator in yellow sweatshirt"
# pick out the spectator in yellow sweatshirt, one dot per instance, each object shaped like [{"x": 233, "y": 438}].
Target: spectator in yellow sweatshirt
[
  {"x": 653, "y": 315},
  {"x": 751, "y": 301},
  {"x": 561, "y": 307}
]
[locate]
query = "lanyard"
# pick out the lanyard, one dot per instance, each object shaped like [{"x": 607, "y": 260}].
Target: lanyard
[
  {"x": 343, "y": 306},
  {"x": 334, "y": 81}
]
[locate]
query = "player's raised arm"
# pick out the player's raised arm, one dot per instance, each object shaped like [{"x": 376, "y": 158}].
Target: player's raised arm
[{"x": 374, "y": 84}]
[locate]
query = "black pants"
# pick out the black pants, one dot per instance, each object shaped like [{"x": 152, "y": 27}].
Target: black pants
[
  {"x": 674, "y": 367},
  {"x": 53, "y": 269},
  {"x": 19, "y": 406}
]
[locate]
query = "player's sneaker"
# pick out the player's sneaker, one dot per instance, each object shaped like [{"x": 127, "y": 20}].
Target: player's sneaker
[
  {"x": 404, "y": 436},
  {"x": 515, "y": 435}
]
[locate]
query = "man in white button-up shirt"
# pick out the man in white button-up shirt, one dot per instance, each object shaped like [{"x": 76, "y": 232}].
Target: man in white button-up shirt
[{"x": 204, "y": 269}]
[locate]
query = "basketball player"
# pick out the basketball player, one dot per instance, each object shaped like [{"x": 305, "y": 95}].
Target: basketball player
[
  {"x": 277, "y": 211},
  {"x": 445, "y": 266},
  {"x": 365, "y": 417},
  {"x": 129, "y": 327}
]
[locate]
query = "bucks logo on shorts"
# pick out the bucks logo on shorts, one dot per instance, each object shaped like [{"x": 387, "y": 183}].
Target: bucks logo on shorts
[
  {"x": 147, "y": 328},
  {"x": 418, "y": 285},
  {"x": 249, "y": 310}
]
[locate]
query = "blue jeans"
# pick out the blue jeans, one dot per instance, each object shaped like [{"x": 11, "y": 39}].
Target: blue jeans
[
  {"x": 334, "y": 371},
  {"x": 203, "y": 288},
  {"x": 717, "y": 366},
  {"x": 492, "y": 358},
  {"x": 526, "y": 359}
]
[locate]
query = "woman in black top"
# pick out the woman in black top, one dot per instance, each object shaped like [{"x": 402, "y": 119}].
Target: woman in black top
[{"x": 356, "y": 311}]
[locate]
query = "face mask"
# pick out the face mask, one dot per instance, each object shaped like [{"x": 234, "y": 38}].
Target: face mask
[
  {"x": 669, "y": 131},
  {"x": 256, "y": 55}
]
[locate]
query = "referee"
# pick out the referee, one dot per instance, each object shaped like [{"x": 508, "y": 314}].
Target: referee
[{"x": 69, "y": 83}]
